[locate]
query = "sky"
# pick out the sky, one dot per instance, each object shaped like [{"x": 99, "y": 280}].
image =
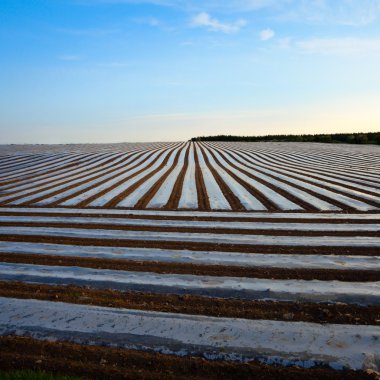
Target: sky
[{"x": 76, "y": 71}]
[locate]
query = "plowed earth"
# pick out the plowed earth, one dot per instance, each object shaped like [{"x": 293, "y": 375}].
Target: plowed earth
[
  {"x": 94, "y": 362},
  {"x": 197, "y": 305}
]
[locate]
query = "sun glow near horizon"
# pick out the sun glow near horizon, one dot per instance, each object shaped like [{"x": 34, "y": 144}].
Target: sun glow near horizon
[{"x": 111, "y": 70}]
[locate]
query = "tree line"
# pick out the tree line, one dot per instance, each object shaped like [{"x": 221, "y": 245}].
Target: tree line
[{"x": 347, "y": 138}]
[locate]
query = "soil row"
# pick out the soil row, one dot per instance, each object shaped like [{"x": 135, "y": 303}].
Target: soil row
[
  {"x": 203, "y": 202},
  {"x": 94, "y": 362},
  {"x": 176, "y": 193},
  {"x": 347, "y": 275},
  {"x": 99, "y": 172},
  {"x": 253, "y": 218},
  {"x": 96, "y": 172},
  {"x": 131, "y": 166},
  {"x": 197, "y": 305},
  {"x": 257, "y": 194},
  {"x": 144, "y": 201},
  {"x": 102, "y": 181},
  {"x": 221, "y": 231},
  {"x": 333, "y": 178},
  {"x": 328, "y": 163},
  {"x": 85, "y": 159},
  {"x": 303, "y": 188},
  {"x": 231, "y": 198},
  {"x": 258, "y": 166},
  {"x": 24, "y": 173},
  {"x": 306, "y": 206},
  {"x": 194, "y": 246},
  {"x": 119, "y": 197},
  {"x": 248, "y": 164}
]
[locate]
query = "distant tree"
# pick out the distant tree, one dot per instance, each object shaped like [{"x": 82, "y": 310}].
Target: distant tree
[
  {"x": 361, "y": 139},
  {"x": 348, "y": 138}
]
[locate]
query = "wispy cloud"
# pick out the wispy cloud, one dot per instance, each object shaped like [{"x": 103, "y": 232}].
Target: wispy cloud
[
  {"x": 186, "y": 43},
  {"x": 203, "y": 19},
  {"x": 151, "y": 21},
  {"x": 266, "y": 34},
  {"x": 339, "y": 12},
  {"x": 194, "y": 5},
  {"x": 334, "y": 46},
  {"x": 342, "y": 12},
  {"x": 284, "y": 43},
  {"x": 154, "y": 23}
]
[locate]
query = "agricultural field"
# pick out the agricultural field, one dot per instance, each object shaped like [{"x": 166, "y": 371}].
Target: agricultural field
[{"x": 204, "y": 260}]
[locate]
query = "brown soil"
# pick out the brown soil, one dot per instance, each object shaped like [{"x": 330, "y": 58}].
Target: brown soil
[
  {"x": 253, "y": 218},
  {"x": 53, "y": 169},
  {"x": 284, "y": 193},
  {"x": 144, "y": 201},
  {"x": 292, "y": 169},
  {"x": 328, "y": 199},
  {"x": 322, "y": 158},
  {"x": 94, "y": 362},
  {"x": 85, "y": 202},
  {"x": 94, "y": 175},
  {"x": 203, "y": 201},
  {"x": 26, "y": 166},
  {"x": 247, "y": 162},
  {"x": 175, "y": 196},
  {"x": 14, "y": 182},
  {"x": 312, "y": 174},
  {"x": 10, "y": 161},
  {"x": 114, "y": 201},
  {"x": 193, "y": 246},
  {"x": 99, "y": 168},
  {"x": 232, "y": 199},
  {"x": 196, "y": 269},
  {"x": 197, "y": 305},
  {"x": 257, "y": 194},
  {"x": 221, "y": 231},
  {"x": 88, "y": 200},
  {"x": 99, "y": 173}
]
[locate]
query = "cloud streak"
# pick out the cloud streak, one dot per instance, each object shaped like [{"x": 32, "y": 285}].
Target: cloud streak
[
  {"x": 338, "y": 46},
  {"x": 203, "y": 19},
  {"x": 338, "y": 12},
  {"x": 323, "y": 12},
  {"x": 194, "y": 5},
  {"x": 266, "y": 34}
]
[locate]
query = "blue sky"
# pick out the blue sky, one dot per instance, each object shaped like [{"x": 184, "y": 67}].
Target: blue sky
[{"x": 131, "y": 70}]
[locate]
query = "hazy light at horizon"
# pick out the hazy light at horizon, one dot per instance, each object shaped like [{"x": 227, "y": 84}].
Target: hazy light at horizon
[{"x": 110, "y": 71}]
